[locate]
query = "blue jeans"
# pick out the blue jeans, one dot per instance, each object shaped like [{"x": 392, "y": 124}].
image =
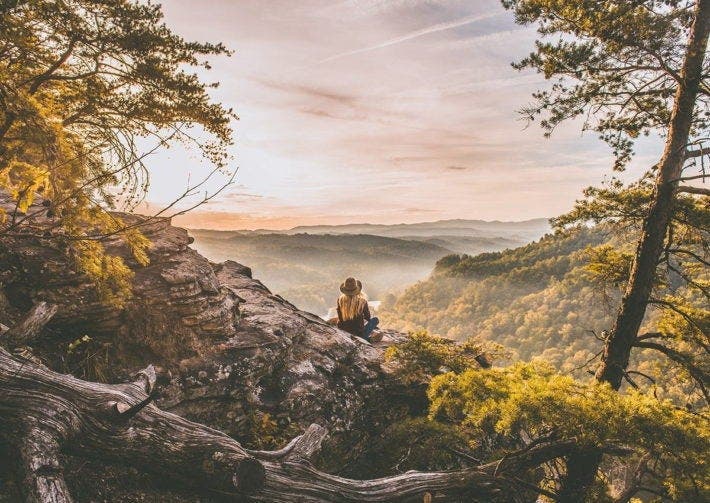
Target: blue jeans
[{"x": 369, "y": 327}]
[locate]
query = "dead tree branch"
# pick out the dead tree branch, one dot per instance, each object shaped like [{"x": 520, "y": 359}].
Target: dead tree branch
[
  {"x": 687, "y": 189},
  {"x": 29, "y": 326}
]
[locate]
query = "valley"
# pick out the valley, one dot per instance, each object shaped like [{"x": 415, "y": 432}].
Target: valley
[{"x": 307, "y": 264}]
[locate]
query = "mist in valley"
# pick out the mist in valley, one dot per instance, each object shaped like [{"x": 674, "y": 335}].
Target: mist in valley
[{"x": 307, "y": 264}]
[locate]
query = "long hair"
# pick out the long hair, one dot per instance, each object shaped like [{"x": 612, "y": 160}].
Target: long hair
[{"x": 351, "y": 305}]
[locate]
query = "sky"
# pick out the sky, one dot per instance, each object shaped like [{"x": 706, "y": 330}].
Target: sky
[{"x": 380, "y": 111}]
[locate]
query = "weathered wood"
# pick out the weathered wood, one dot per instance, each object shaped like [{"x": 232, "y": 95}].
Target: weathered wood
[
  {"x": 43, "y": 412},
  {"x": 301, "y": 448},
  {"x": 288, "y": 482},
  {"x": 29, "y": 326},
  {"x": 309, "y": 444},
  {"x": 39, "y": 468},
  {"x": 78, "y": 416},
  {"x": 146, "y": 379}
]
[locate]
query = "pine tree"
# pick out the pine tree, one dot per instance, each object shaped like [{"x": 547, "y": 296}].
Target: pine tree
[
  {"x": 82, "y": 85},
  {"x": 628, "y": 68}
]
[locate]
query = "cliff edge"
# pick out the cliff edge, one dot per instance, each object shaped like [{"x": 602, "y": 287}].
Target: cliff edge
[{"x": 229, "y": 353}]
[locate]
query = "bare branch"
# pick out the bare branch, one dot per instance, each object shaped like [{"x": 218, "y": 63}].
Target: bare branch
[
  {"x": 693, "y": 190},
  {"x": 688, "y": 178},
  {"x": 690, "y": 254},
  {"x": 45, "y": 76},
  {"x": 301, "y": 448},
  {"x": 690, "y": 154},
  {"x": 634, "y": 484},
  {"x": 675, "y": 309},
  {"x": 650, "y": 335},
  {"x": 30, "y": 326},
  {"x": 685, "y": 361}
]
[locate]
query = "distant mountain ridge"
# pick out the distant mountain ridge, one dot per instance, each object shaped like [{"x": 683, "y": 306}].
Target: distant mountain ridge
[
  {"x": 308, "y": 268},
  {"x": 490, "y": 228},
  {"x": 303, "y": 246},
  {"x": 457, "y": 235},
  {"x": 307, "y": 263},
  {"x": 457, "y": 226}
]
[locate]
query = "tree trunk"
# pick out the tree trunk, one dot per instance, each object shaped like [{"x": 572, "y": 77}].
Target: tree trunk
[
  {"x": 39, "y": 469},
  {"x": 581, "y": 472},
  {"x": 618, "y": 346}
]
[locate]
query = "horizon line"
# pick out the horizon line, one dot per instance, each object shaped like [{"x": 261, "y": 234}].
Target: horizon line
[{"x": 352, "y": 224}]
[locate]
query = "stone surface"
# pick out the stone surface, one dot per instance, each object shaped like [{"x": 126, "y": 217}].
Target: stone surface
[{"x": 230, "y": 353}]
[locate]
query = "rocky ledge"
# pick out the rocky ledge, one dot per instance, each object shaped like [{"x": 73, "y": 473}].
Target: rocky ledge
[{"x": 229, "y": 353}]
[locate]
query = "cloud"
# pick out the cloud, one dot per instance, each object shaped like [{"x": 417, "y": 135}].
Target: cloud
[
  {"x": 241, "y": 196},
  {"x": 426, "y": 117},
  {"x": 311, "y": 91},
  {"x": 324, "y": 113},
  {"x": 412, "y": 35},
  {"x": 418, "y": 210}
]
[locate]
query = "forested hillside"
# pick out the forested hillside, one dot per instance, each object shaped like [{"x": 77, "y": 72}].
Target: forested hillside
[{"x": 539, "y": 300}]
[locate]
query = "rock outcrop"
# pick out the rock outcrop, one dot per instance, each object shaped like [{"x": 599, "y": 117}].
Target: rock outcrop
[{"x": 230, "y": 354}]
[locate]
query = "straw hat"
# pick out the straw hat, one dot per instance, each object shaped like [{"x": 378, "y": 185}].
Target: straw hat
[{"x": 351, "y": 286}]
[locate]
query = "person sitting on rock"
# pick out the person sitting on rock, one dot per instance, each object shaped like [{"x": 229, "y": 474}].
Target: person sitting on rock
[{"x": 354, "y": 313}]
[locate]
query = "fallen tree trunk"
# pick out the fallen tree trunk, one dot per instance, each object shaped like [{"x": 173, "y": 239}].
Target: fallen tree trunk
[
  {"x": 289, "y": 482},
  {"x": 44, "y": 413},
  {"x": 52, "y": 412},
  {"x": 39, "y": 467}
]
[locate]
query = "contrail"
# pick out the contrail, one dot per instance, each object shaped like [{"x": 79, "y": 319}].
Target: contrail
[{"x": 415, "y": 34}]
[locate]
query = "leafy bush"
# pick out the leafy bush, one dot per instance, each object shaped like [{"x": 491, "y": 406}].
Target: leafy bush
[
  {"x": 422, "y": 356},
  {"x": 535, "y": 401}
]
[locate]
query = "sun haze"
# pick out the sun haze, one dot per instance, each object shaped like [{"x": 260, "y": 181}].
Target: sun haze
[{"x": 377, "y": 111}]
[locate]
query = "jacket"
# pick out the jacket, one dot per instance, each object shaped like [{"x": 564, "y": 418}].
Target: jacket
[{"x": 356, "y": 325}]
